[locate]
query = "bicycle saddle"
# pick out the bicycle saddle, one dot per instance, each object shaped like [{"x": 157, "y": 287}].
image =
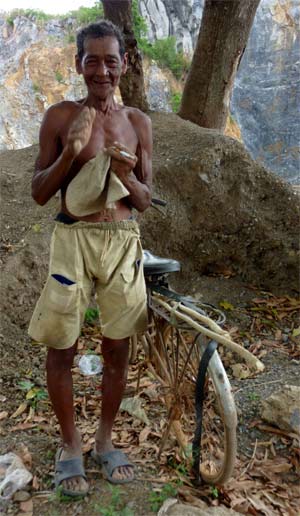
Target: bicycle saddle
[{"x": 157, "y": 265}]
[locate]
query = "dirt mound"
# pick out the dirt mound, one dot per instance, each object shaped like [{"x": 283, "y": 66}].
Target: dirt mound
[
  {"x": 225, "y": 211},
  {"x": 24, "y": 247}
]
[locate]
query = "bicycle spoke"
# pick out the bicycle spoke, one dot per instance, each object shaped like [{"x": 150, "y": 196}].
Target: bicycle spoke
[{"x": 165, "y": 355}]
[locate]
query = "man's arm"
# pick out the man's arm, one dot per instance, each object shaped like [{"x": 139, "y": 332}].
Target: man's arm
[
  {"x": 139, "y": 180},
  {"x": 54, "y": 162}
]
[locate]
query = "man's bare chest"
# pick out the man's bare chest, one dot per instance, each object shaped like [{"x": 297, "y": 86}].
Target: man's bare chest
[{"x": 105, "y": 132}]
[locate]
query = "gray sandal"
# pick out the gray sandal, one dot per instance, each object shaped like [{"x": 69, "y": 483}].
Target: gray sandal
[
  {"x": 68, "y": 468},
  {"x": 109, "y": 461}
]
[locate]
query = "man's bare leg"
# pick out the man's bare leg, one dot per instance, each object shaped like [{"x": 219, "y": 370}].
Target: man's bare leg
[
  {"x": 115, "y": 356},
  {"x": 60, "y": 388}
]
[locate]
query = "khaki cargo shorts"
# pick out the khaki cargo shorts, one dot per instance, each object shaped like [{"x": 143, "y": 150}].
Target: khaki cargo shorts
[{"x": 107, "y": 255}]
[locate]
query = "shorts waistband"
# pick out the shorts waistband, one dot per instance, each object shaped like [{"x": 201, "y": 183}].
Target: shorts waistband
[{"x": 112, "y": 225}]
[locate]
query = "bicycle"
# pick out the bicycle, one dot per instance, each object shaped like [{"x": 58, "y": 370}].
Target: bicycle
[{"x": 180, "y": 348}]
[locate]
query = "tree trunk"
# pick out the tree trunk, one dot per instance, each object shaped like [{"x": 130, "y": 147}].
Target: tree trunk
[
  {"x": 222, "y": 39},
  {"x": 132, "y": 86}
]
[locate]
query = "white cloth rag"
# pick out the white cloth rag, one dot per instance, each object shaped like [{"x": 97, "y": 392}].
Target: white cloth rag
[{"x": 95, "y": 187}]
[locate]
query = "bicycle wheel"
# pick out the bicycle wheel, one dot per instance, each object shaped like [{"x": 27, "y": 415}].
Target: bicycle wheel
[{"x": 174, "y": 353}]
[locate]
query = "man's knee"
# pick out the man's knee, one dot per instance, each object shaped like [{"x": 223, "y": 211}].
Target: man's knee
[
  {"x": 115, "y": 352},
  {"x": 60, "y": 359}
]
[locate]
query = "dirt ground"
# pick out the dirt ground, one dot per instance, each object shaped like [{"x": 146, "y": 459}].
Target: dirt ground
[{"x": 264, "y": 322}]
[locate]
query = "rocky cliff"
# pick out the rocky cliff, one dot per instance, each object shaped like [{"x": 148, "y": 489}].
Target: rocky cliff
[
  {"x": 37, "y": 69},
  {"x": 266, "y": 94},
  {"x": 266, "y": 91},
  {"x": 172, "y": 18}
]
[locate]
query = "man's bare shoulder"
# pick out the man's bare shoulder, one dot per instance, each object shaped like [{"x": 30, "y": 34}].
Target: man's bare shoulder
[
  {"x": 138, "y": 118},
  {"x": 63, "y": 109}
]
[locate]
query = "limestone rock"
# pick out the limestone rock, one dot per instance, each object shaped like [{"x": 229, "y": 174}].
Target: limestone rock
[
  {"x": 168, "y": 18},
  {"x": 266, "y": 90},
  {"x": 37, "y": 69},
  {"x": 157, "y": 87},
  {"x": 282, "y": 408}
]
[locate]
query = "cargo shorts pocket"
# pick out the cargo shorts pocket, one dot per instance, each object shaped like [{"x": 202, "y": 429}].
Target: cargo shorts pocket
[
  {"x": 128, "y": 278},
  {"x": 61, "y": 296},
  {"x": 132, "y": 277}
]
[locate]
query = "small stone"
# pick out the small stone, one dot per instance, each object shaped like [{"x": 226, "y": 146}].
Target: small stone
[
  {"x": 21, "y": 496},
  {"x": 178, "y": 509},
  {"x": 282, "y": 409},
  {"x": 27, "y": 506}
]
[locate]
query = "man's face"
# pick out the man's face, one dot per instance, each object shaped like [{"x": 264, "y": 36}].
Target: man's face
[{"x": 101, "y": 65}]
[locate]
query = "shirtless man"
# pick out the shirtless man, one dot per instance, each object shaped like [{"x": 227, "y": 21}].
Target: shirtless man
[{"x": 72, "y": 134}]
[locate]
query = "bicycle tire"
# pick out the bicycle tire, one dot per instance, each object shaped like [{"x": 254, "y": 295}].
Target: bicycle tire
[
  {"x": 217, "y": 373},
  {"x": 179, "y": 395}
]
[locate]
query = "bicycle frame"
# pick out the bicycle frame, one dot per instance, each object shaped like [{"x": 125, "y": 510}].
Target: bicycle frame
[{"x": 159, "y": 284}]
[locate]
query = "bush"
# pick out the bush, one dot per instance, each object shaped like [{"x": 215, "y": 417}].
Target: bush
[
  {"x": 32, "y": 14},
  {"x": 86, "y": 15},
  {"x": 163, "y": 51},
  {"x": 59, "y": 76},
  {"x": 83, "y": 15},
  {"x": 139, "y": 23},
  {"x": 71, "y": 38},
  {"x": 10, "y": 21},
  {"x": 175, "y": 101}
]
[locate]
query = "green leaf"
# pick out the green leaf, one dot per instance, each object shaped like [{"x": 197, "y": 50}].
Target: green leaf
[
  {"x": 32, "y": 393},
  {"x": 226, "y": 305},
  {"x": 37, "y": 228},
  {"x": 214, "y": 491},
  {"x": 91, "y": 315},
  {"x": 25, "y": 385},
  {"x": 296, "y": 332}
]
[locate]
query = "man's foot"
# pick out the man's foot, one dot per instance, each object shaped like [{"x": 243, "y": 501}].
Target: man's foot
[
  {"x": 116, "y": 468},
  {"x": 69, "y": 472}
]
